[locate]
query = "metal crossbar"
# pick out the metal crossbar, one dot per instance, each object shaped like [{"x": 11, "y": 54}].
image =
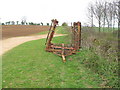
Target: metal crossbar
[{"x": 64, "y": 50}]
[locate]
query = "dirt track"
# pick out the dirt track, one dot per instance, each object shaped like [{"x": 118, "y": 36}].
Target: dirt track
[{"x": 10, "y": 43}]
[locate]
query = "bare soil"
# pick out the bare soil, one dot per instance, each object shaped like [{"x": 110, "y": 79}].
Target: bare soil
[{"x": 21, "y": 30}]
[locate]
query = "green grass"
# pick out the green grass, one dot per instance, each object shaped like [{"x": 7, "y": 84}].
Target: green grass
[
  {"x": 63, "y": 30},
  {"x": 106, "y": 70},
  {"x": 58, "y": 30},
  {"x": 101, "y": 55},
  {"x": 105, "y": 29},
  {"x": 43, "y": 32},
  {"x": 29, "y": 65}
]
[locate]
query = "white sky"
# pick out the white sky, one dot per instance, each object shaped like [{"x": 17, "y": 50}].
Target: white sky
[{"x": 44, "y": 10}]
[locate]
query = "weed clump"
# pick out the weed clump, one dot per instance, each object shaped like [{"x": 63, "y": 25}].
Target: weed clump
[{"x": 99, "y": 53}]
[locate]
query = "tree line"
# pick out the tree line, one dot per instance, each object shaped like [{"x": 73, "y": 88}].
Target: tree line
[
  {"x": 107, "y": 14},
  {"x": 23, "y": 23}
]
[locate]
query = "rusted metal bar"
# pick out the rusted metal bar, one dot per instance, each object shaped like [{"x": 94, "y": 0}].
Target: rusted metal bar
[
  {"x": 55, "y": 22},
  {"x": 64, "y": 50},
  {"x": 48, "y": 33},
  {"x": 63, "y": 56}
]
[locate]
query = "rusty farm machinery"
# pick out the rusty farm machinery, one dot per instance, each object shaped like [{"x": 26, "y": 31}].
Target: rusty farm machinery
[{"x": 62, "y": 49}]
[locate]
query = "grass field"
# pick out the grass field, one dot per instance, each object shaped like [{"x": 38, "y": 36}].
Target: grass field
[
  {"x": 29, "y": 65},
  {"x": 59, "y": 30},
  {"x": 105, "y": 29},
  {"x": 43, "y": 32}
]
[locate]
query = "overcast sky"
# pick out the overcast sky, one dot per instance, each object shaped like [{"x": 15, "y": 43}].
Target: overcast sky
[{"x": 44, "y": 10}]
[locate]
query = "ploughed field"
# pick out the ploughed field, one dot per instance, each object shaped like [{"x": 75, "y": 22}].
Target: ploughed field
[{"x": 21, "y": 30}]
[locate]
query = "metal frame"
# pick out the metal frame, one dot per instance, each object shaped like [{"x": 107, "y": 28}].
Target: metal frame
[{"x": 64, "y": 49}]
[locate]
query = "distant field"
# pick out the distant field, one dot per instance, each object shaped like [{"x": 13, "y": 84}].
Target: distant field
[{"x": 21, "y": 30}]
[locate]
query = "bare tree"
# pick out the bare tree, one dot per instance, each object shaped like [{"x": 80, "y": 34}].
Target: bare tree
[
  {"x": 109, "y": 14},
  {"x": 119, "y": 14},
  {"x": 6, "y": 23},
  {"x": 90, "y": 14},
  {"x": 17, "y": 22},
  {"x": 24, "y": 20},
  {"x": 12, "y": 22},
  {"x": 41, "y": 23},
  {"x": 106, "y": 13},
  {"x": 98, "y": 12},
  {"x": 9, "y": 23},
  {"x": 114, "y": 15}
]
